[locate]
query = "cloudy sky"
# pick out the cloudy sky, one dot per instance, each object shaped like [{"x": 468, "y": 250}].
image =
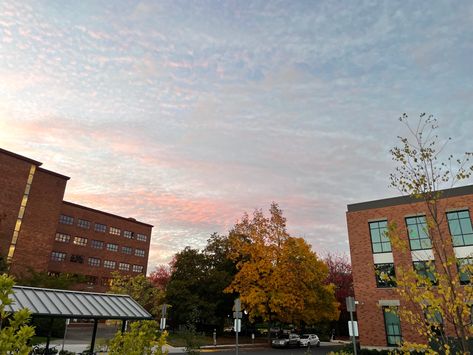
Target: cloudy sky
[{"x": 185, "y": 114}]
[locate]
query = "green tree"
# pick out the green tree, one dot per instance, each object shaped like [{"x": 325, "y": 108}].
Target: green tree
[
  {"x": 196, "y": 285},
  {"x": 15, "y": 332},
  {"x": 279, "y": 277},
  {"x": 434, "y": 295},
  {"x": 140, "y": 340},
  {"x": 141, "y": 289},
  {"x": 63, "y": 281}
]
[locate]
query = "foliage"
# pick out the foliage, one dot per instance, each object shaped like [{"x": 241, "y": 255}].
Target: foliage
[
  {"x": 434, "y": 296},
  {"x": 140, "y": 340},
  {"x": 15, "y": 333},
  {"x": 195, "y": 289},
  {"x": 279, "y": 277},
  {"x": 340, "y": 274},
  {"x": 160, "y": 276},
  {"x": 140, "y": 289},
  {"x": 63, "y": 281}
]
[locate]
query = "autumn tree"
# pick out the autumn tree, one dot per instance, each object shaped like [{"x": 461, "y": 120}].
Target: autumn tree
[
  {"x": 434, "y": 302},
  {"x": 340, "y": 275},
  {"x": 160, "y": 276},
  {"x": 140, "y": 289},
  {"x": 279, "y": 278}
]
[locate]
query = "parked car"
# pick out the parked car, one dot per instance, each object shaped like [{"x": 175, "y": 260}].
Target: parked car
[
  {"x": 286, "y": 340},
  {"x": 309, "y": 339}
]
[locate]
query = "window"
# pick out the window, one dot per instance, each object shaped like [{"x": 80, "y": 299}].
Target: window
[
  {"x": 82, "y": 223},
  {"x": 385, "y": 275},
  {"x": 124, "y": 266},
  {"x": 106, "y": 281},
  {"x": 128, "y": 234},
  {"x": 434, "y": 319},
  {"x": 461, "y": 231},
  {"x": 80, "y": 241},
  {"x": 139, "y": 252},
  {"x": 112, "y": 247},
  {"x": 109, "y": 264},
  {"x": 137, "y": 268},
  {"x": 63, "y": 238},
  {"x": 91, "y": 280},
  {"x": 465, "y": 270},
  {"x": 98, "y": 227},
  {"x": 418, "y": 233},
  {"x": 126, "y": 250},
  {"x": 63, "y": 219},
  {"x": 77, "y": 259},
  {"x": 97, "y": 244},
  {"x": 58, "y": 256},
  {"x": 392, "y": 325},
  {"x": 426, "y": 271},
  {"x": 94, "y": 262},
  {"x": 115, "y": 231},
  {"x": 379, "y": 237},
  {"x": 141, "y": 237}
]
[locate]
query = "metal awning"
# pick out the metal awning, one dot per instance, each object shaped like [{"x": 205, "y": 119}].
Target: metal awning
[{"x": 75, "y": 304}]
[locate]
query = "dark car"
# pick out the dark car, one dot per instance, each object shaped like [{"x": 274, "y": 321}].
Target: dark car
[{"x": 286, "y": 340}]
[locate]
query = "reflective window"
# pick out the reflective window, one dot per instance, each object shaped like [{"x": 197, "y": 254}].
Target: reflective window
[
  {"x": 115, "y": 231},
  {"x": 63, "y": 238},
  {"x": 426, "y": 272},
  {"x": 379, "y": 237},
  {"x": 392, "y": 324},
  {"x": 82, "y": 223},
  {"x": 461, "y": 231},
  {"x": 141, "y": 237},
  {"x": 137, "y": 268},
  {"x": 98, "y": 227},
  {"x": 124, "y": 266},
  {"x": 97, "y": 244},
  {"x": 385, "y": 275},
  {"x": 80, "y": 241},
  {"x": 465, "y": 270},
  {"x": 112, "y": 247},
  {"x": 77, "y": 259},
  {"x": 94, "y": 262},
  {"x": 109, "y": 264},
  {"x": 63, "y": 219},
  {"x": 127, "y": 250},
  {"x": 139, "y": 252},
  {"x": 58, "y": 256},
  {"x": 128, "y": 234},
  {"x": 418, "y": 233}
]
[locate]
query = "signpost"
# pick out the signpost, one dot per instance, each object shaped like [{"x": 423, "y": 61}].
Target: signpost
[
  {"x": 162, "y": 324},
  {"x": 351, "y": 307},
  {"x": 237, "y": 324}
]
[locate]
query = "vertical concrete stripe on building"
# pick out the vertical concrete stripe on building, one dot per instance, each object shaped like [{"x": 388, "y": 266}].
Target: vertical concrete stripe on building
[{"x": 21, "y": 212}]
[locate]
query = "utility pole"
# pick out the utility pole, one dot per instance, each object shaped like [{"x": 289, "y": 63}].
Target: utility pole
[{"x": 351, "y": 307}]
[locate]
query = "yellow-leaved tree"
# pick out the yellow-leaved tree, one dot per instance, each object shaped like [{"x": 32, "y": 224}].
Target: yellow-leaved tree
[
  {"x": 279, "y": 277},
  {"x": 436, "y": 292}
]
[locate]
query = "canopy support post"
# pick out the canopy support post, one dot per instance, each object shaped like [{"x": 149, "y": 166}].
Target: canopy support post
[
  {"x": 123, "y": 326},
  {"x": 94, "y": 334},
  {"x": 48, "y": 338}
]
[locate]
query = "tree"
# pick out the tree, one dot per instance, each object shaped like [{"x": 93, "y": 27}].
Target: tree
[
  {"x": 140, "y": 289},
  {"x": 340, "y": 275},
  {"x": 198, "y": 278},
  {"x": 279, "y": 277},
  {"x": 63, "y": 281},
  {"x": 160, "y": 277},
  {"x": 15, "y": 335},
  {"x": 434, "y": 301}
]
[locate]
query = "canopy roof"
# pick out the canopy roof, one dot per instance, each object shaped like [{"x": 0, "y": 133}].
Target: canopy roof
[{"x": 75, "y": 304}]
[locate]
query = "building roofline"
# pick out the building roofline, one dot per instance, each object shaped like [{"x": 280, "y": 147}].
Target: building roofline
[
  {"x": 54, "y": 173},
  {"x": 130, "y": 219},
  {"x": 402, "y": 200},
  {"x": 21, "y": 157}
]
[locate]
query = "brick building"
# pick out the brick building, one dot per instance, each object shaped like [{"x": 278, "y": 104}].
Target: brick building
[
  {"x": 373, "y": 255},
  {"x": 40, "y": 231}
]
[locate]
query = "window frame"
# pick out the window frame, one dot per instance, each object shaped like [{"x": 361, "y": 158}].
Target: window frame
[
  {"x": 82, "y": 241},
  {"x": 112, "y": 247},
  {"x": 65, "y": 219},
  {"x": 58, "y": 259},
  {"x": 420, "y": 229},
  {"x": 100, "y": 227},
  {"x": 62, "y": 237},
  {"x": 425, "y": 272},
  {"x": 381, "y": 242},
  {"x": 91, "y": 261},
  {"x": 94, "y": 244},
  {"x": 83, "y": 223},
  {"x": 450, "y": 213},
  {"x": 389, "y": 310},
  {"x": 391, "y": 283}
]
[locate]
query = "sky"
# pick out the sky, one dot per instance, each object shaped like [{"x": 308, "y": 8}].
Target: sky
[{"x": 186, "y": 114}]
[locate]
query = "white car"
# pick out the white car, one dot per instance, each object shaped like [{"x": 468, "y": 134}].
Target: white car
[{"x": 309, "y": 340}]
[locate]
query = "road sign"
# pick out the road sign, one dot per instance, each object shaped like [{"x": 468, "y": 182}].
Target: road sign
[
  {"x": 237, "y": 314},
  {"x": 162, "y": 324},
  {"x": 163, "y": 310},
  {"x": 237, "y": 325},
  {"x": 237, "y": 305},
  {"x": 351, "y": 305},
  {"x": 353, "y": 328}
]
